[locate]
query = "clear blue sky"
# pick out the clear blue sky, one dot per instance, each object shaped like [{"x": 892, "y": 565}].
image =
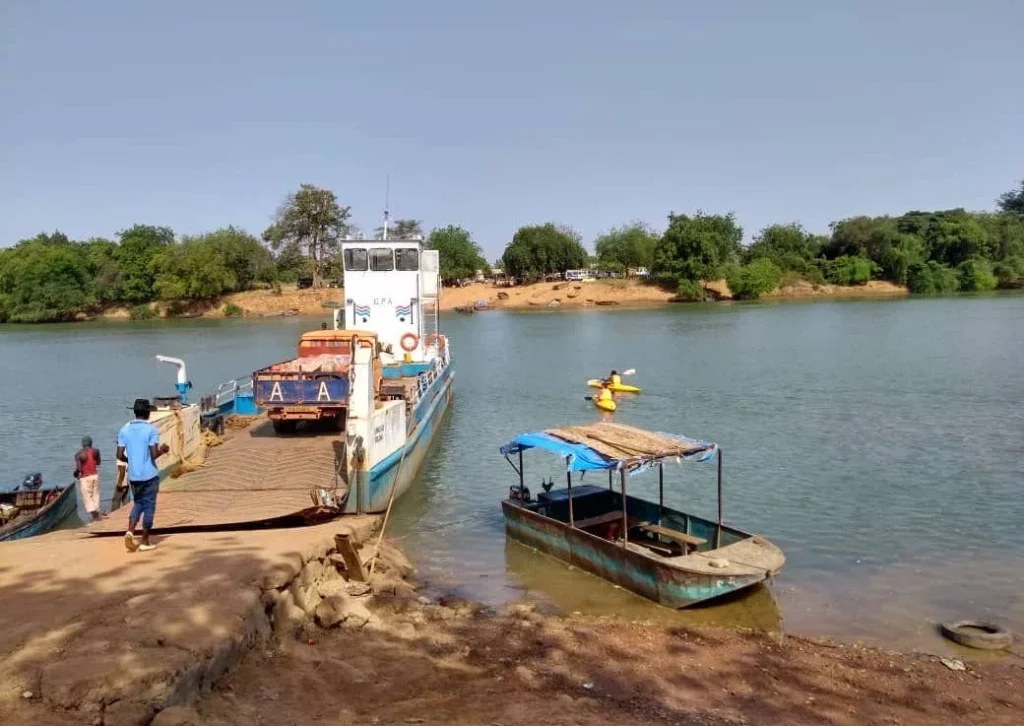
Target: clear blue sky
[{"x": 197, "y": 115}]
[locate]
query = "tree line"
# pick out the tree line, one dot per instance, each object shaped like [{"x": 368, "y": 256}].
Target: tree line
[
  {"x": 53, "y": 278},
  {"x": 929, "y": 252}
]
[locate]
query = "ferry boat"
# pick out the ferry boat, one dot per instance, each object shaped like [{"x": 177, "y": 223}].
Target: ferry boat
[
  {"x": 402, "y": 387},
  {"x": 352, "y": 416}
]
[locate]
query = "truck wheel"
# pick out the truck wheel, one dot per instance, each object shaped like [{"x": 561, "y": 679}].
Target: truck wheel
[{"x": 285, "y": 427}]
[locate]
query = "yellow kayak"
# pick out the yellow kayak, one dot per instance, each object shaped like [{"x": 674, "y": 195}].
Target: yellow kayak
[
  {"x": 604, "y": 405},
  {"x": 620, "y": 388}
]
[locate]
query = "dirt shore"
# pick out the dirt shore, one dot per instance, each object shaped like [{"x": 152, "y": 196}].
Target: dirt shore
[
  {"x": 597, "y": 294},
  {"x": 272, "y": 628},
  {"x": 452, "y": 662}
]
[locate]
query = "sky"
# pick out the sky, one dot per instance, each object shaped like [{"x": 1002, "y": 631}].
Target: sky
[{"x": 489, "y": 115}]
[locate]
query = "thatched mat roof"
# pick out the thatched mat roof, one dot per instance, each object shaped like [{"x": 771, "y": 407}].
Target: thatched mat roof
[{"x": 618, "y": 442}]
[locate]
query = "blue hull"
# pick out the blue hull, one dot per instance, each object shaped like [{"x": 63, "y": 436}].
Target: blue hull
[
  {"x": 666, "y": 585},
  {"x": 371, "y": 491},
  {"x": 48, "y": 518}
]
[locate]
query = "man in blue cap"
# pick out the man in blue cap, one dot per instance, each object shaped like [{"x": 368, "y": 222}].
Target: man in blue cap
[{"x": 138, "y": 443}]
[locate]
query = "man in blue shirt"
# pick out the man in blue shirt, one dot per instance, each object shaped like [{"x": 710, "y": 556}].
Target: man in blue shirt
[{"x": 138, "y": 443}]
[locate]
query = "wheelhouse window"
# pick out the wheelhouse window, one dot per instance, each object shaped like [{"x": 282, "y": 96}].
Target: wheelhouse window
[
  {"x": 355, "y": 259},
  {"x": 381, "y": 259},
  {"x": 407, "y": 260}
]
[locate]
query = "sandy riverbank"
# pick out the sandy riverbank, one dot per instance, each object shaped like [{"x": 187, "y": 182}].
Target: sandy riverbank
[
  {"x": 270, "y": 627},
  {"x": 596, "y": 294}
]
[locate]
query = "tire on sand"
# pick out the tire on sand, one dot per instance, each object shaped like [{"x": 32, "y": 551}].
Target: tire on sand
[{"x": 979, "y": 635}]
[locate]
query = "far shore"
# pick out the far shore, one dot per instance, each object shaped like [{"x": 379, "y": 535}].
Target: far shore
[{"x": 546, "y": 296}]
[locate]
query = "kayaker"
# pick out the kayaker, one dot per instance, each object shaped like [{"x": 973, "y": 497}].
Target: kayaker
[
  {"x": 613, "y": 379},
  {"x": 606, "y": 393}
]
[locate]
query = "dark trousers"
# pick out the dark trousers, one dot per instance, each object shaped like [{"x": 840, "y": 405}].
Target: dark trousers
[{"x": 144, "y": 493}]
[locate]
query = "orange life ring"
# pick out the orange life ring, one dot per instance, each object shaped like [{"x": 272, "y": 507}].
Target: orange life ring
[{"x": 415, "y": 342}]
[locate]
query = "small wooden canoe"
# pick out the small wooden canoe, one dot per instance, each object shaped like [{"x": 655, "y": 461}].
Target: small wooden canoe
[
  {"x": 669, "y": 556},
  {"x": 39, "y": 511}
]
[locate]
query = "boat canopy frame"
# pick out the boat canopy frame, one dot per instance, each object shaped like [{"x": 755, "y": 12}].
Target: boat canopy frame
[{"x": 615, "y": 447}]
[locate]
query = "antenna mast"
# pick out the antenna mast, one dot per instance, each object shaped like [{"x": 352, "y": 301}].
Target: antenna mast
[{"x": 387, "y": 203}]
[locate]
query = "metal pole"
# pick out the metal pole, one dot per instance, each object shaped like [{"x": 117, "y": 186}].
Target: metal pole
[
  {"x": 661, "y": 491},
  {"x": 719, "y": 539},
  {"x": 521, "y": 484},
  {"x": 625, "y": 519},
  {"x": 568, "y": 479}
]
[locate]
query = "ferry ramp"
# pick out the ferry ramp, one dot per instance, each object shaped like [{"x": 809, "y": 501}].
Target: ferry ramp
[{"x": 255, "y": 477}]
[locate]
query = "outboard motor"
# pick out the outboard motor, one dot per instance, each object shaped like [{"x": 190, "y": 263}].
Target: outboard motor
[
  {"x": 513, "y": 493},
  {"x": 32, "y": 482}
]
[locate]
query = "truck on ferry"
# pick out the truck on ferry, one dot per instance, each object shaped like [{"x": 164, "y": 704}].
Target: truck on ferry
[{"x": 382, "y": 376}]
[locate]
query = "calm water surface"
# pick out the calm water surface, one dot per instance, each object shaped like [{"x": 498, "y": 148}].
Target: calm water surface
[{"x": 880, "y": 444}]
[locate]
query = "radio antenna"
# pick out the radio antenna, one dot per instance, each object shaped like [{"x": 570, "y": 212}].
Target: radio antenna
[{"x": 387, "y": 203}]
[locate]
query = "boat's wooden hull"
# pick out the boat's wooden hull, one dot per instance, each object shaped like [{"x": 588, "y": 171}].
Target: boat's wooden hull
[
  {"x": 47, "y": 518},
  {"x": 658, "y": 581}
]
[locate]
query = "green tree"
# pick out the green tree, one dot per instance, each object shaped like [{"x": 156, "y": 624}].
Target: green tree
[
  {"x": 1009, "y": 273},
  {"x": 626, "y": 247},
  {"x": 1013, "y": 201},
  {"x": 539, "y": 250},
  {"x": 138, "y": 246},
  {"x": 690, "y": 291},
  {"x": 867, "y": 237},
  {"x": 311, "y": 220},
  {"x": 102, "y": 259},
  {"x": 460, "y": 256},
  {"x": 696, "y": 248},
  {"x": 401, "y": 229},
  {"x": 932, "y": 277},
  {"x": 194, "y": 269},
  {"x": 242, "y": 254},
  {"x": 753, "y": 280},
  {"x": 1004, "y": 232},
  {"x": 848, "y": 270},
  {"x": 976, "y": 275},
  {"x": 956, "y": 236},
  {"x": 45, "y": 279},
  {"x": 788, "y": 246}
]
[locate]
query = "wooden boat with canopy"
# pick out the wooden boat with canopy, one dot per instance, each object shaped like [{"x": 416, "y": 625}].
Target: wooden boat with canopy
[{"x": 672, "y": 557}]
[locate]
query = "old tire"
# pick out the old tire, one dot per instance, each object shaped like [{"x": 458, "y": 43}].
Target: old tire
[
  {"x": 285, "y": 427},
  {"x": 973, "y": 634}
]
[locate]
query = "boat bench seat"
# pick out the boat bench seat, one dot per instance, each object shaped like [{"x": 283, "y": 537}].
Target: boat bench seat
[
  {"x": 605, "y": 518},
  {"x": 608, "y": 518},
  {"x": 680, "y": 537}
]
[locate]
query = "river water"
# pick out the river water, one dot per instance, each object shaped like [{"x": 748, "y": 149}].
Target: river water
[{"x": 880, "y": 444}]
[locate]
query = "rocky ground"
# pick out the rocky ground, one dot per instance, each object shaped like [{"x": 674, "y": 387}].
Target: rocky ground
[{"x": 396, "y": 657}]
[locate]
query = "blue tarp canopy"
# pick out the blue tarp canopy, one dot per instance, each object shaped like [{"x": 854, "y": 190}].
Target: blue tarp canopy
[{"x": 612, "y": 446}]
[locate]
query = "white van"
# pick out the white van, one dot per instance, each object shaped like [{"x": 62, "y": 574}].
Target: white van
[{"x": 574, "y": 275}]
